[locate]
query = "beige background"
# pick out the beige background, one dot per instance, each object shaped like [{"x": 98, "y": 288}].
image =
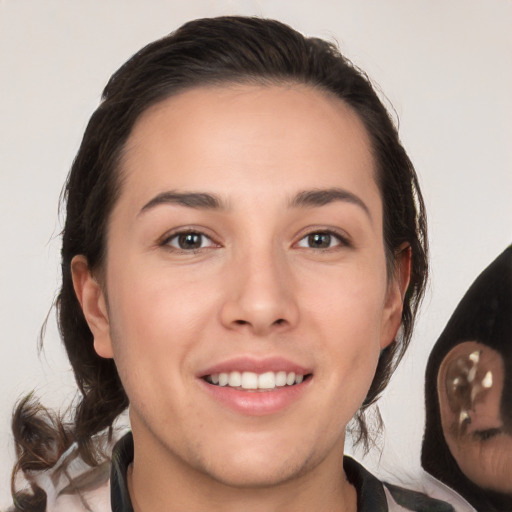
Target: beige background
[{"x": 446, "y": 66}]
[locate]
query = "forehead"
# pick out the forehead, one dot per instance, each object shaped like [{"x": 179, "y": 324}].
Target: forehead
[{"x": 249, "y": 137}]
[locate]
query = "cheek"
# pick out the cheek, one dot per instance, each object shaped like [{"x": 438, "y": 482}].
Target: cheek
[
  {"x": 156, "y": 321},
  {"x": 150, "y": 298},
  {"x": 153, "y": 337},
  {"x": 346, "y": 316},
  {"x": 349, "y": 304}
]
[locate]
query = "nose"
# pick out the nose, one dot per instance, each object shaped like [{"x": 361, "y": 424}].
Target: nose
[{"x": 259, "y": 295}]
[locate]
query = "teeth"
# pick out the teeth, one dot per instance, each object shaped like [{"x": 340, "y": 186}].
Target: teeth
[
  {"x": 235, "y": 379},
  {"x": 251, "y": 380},
  {"x": 281, "y": 379},
  {"x": 290, "y": 379},
  {"x": 267, "y": 380}
]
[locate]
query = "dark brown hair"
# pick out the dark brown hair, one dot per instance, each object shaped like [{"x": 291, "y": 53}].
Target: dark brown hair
[{"x": 201, "y": 53}]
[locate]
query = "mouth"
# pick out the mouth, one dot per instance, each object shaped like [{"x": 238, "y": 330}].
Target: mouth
[
  {"x": 257, "y": 387},
  {"x": 252, "y": 381}
]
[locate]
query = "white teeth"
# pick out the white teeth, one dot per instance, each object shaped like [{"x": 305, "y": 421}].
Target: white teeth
[
  {"x": 223, "y": 379},
  {"x": 267, "y": 380},
  {"x": 235, "y": 379},
  {"x": 251, "y": 380},
  {"x": 281, "y": 379}
]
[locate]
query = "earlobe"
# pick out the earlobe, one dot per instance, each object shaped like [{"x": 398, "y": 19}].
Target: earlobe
[
  {"x": 397, "y": 289},
  {"x": 91, "y": 297}
]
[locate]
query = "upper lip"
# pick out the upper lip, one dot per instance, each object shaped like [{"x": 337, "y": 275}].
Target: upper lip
[{"x": 256, "y": 365}]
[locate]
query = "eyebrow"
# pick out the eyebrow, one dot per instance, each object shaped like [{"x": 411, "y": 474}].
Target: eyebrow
[
  {"x": 206, "y": 201},
  {"x": 321, "y": 197},
  {"x": 197, "y": 200}
]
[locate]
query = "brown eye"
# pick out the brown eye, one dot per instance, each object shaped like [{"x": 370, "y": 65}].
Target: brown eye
[
  {"x": 190, "y": 241},
  {"x": 321, "y": 240}
]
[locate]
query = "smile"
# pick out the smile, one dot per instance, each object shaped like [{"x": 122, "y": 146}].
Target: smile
[
  {"x": 252, "y": 381},
  {"x": 256, "y": 386}
]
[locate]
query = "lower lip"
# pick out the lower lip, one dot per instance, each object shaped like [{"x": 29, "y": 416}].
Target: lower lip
[{"x": 257, "y": 403}]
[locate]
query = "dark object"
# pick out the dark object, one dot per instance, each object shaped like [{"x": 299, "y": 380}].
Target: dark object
[{"x": 484, "y": 315}]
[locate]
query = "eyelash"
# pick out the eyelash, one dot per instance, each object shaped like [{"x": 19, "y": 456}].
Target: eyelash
[
  {"x": 333, "y": 236},
  {"x": 167, "y": 241},
  {"x": 341, "y": 240},
  {"x": 484, "y": 435}
]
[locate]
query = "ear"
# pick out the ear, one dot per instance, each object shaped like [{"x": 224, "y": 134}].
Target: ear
[
  {"x": 397, "y": 286},
  {"x": 454, "y": 415},
  {"x": 469, "y": 389},
  {"x": 92, "y": 300}
]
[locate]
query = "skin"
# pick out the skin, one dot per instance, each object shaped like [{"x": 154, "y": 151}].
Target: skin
[
  {"x": 256, "y": 288},
  {"x": 481, "y": 447}
]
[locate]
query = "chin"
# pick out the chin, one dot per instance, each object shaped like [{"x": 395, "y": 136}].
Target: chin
[
  {"x": 254, "y": 475},
  {"x": 244, "y": 461}
]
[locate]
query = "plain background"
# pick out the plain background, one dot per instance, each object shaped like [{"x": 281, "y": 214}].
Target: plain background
[{"x": 446, "y": 66}]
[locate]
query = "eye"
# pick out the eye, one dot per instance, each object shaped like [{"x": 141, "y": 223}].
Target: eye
[
  {"x": 321, "y": 240},
  {"x": 484, "y": 435},
  {"x": 188, "y": 241}
]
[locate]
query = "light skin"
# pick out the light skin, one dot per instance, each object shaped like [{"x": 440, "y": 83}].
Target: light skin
[{"x": 279, "y": 272}]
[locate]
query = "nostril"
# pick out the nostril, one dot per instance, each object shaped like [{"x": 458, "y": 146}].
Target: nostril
[
  {"x": 279, "y": 321},
  {"x": 241, "y": 322}
]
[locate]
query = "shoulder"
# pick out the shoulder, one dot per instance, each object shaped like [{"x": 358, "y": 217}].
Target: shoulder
[
  {"x": 377, "y": 496},
  {"x": 434, "y": 487},
  {"x": 71, "y": 485},
  {"x": 402, "y": 499}
]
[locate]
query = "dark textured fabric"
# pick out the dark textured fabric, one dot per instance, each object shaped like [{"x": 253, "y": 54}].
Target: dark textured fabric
[
  {"x": 412, "y": 500},
  {"x": 370, "y": 491},
  {"x": 482, "y": 315},
  {"x": 122, "y": 457}
]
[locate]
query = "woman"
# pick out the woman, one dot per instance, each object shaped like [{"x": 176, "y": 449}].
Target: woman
[{"x": 244, "y": 238}]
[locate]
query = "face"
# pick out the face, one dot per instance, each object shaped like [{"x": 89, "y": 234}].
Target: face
[{"x": 245, "y": 297}]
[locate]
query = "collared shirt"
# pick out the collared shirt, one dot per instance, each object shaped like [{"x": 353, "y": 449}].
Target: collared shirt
[{"x": 372, "y": 494}]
